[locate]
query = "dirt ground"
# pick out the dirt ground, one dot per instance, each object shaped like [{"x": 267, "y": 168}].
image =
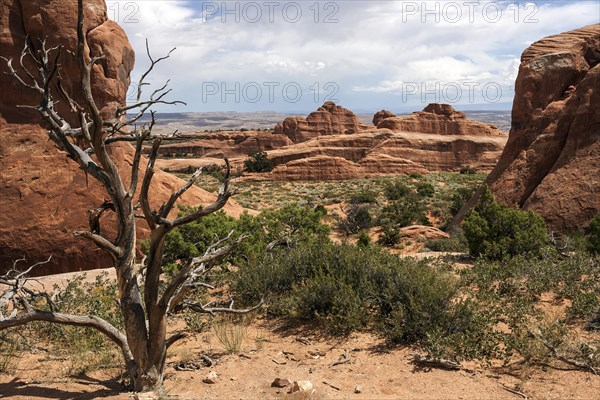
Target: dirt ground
[{"x": 272, "y": 349}]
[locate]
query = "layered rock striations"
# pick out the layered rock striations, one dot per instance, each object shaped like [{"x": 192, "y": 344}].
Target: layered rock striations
[{"x": 435, "y": 139}]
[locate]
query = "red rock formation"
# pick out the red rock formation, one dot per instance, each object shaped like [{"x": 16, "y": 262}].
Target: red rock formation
[
  {"x": 440, "y": 119},
  {"x": 329, "y": 119},
  {"x": 420, "y": 231},
  {"x": 381, "y": 115},
  {"x": 436, "y": 139},
  {"x": 551, "y": 163},
  {"x": 385, "y": 152},
  {"x": 227, "y": 144},
  {"x": 44, "y": 196},
  {"x": 317, "y": 168}
]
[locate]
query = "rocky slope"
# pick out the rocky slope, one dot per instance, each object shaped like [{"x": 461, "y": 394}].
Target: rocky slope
[
  {"x": 551, "y": 163},
  {"x": 44, "y": 196}
]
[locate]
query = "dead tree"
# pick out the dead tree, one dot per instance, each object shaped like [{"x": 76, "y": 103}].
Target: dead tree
[{"x": 144, "y": 342}]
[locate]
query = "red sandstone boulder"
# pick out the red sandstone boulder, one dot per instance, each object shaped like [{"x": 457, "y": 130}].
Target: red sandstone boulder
[
  {"x": 551, "y": 163},
  {"x": 381, "y": 115},
  {"x": 421, "y": 231}
]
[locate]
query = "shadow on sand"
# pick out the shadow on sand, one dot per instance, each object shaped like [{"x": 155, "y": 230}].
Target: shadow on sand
[{"x": 100, "y": 389}]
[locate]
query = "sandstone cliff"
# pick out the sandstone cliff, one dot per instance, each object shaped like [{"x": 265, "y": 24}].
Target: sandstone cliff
[{"x": 551, "y": 163}]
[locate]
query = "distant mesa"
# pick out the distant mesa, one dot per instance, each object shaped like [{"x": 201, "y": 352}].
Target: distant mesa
[
  {"x": 551, "y": 163},
  {"x": 438, "y": 138}
]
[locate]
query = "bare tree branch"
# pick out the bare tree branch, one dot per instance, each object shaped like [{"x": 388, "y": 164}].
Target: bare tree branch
[
  {"x": 95, "y": 215},
  {"x": 210, "y": 309},
  {"x": 166, "y": 208},
  {"x": 144, "y": 200},
  {"x": 187, "y": 275},
  {"x": 223, "y": 196},
  {"x": 100, "y": 241},
  {"x": 144, "y": 340}
]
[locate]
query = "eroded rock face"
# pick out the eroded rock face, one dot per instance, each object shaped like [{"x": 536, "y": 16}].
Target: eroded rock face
[
  {"x": 329, "y": 119},
  {"x": 44, "y": 196},
  {"x": 56, "y": 20},
  {"x": 551, "y": 163}
]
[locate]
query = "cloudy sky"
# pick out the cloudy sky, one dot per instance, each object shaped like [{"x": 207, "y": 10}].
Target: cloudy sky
[{"x": 291, "y": 56}]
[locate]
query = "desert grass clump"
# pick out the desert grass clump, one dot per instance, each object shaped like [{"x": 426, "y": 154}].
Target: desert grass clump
[
  {"x": 11, "y": 348},
  {"x": 231, "y": 331}
]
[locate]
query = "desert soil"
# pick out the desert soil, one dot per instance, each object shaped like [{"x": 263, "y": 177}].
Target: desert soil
[{"x": 273, "y": 349}]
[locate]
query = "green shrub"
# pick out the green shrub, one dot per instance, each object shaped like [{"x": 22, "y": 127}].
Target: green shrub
[
  {"x": 357, "y": 218},
  {"x": 348, "y": 287},
  {"x": 594, "y": 235},
  {"x": 363, "y": 197},
  {"x": 446, "y": 245},
  {"x": 497, "y": 231},
  {"x": 390, "y": 235},
  {"x": 258, "y": 162},
  {"x": 468, "y": 171},
  {"x": 363, "y": 239},
  {"x": 459, "y": 198},
  {"x": 404, "y": 212},
  {"x": 293, "y": 222},
  {"x": 396, "y": 191},
  {"x": 425, "y": 189}
]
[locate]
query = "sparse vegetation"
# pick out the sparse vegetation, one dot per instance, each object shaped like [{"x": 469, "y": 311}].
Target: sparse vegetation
[
  {"x": 363, "y": 197},
  {"x": 396, "y": 191}
]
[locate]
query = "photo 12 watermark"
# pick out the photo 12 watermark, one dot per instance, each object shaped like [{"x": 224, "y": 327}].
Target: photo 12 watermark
[
  {"x": 268, "y": 92},
  {"x": 270, "y": 11},
  {"x": 124, "y": 12},
  {"x": 452, "y": 92},
  {"x": 454, "y": 12},
  {"x": 328, "y": 12}
]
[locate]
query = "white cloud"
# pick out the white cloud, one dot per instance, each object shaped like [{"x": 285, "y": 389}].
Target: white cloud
[{"x": 371, "y": 53}]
